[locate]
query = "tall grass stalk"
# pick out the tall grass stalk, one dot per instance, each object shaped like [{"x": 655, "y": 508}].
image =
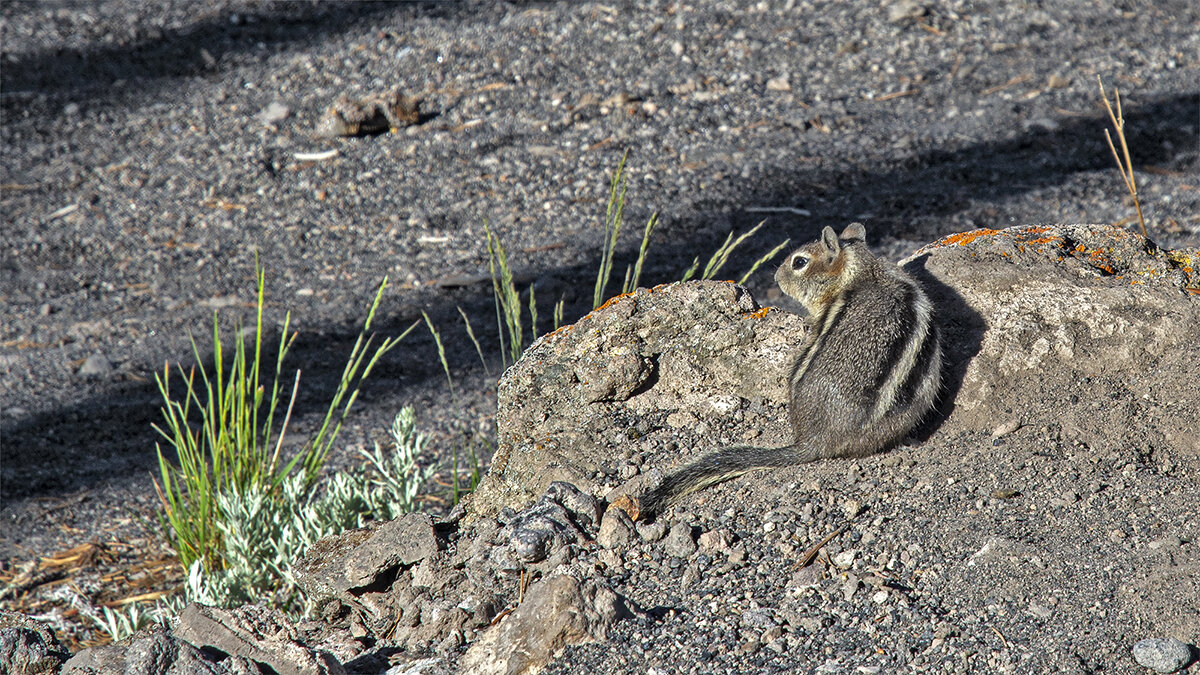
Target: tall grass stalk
[
  {"x": 320, "y": 446},
  {"x": 613, "y": 219},
  {"x": 763, "y": 260},
  {"x": 532, "y": 315},
  {"x": 1126, "y": 167},
  {"x": 631, "y": 281},
  {"x": 558, "y": 312},
  {"x": 474, "y": 341},
  {"x": 721, "y": 256},
  {"x": 441, "y": 350},
  {"x": 508, "y": 301}
]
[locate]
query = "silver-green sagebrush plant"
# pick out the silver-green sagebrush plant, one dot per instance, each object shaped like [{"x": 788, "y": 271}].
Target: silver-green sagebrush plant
[
  {"x": 263, "y": 533},
  {"x": 236, "y": 511}
]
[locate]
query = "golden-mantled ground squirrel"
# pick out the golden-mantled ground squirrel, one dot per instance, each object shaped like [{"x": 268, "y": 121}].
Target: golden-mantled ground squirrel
[{"x": 869, "y": 372}]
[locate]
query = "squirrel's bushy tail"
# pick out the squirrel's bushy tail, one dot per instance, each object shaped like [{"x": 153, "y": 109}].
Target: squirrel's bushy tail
[{"x": 719, "y": 466}]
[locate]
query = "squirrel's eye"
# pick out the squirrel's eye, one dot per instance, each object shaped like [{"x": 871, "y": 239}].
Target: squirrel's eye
[{"x": 799, "y": 262}]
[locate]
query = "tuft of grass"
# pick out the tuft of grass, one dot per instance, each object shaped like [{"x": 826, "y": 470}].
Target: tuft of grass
[
  {"x": 558, "y": 312},
  {"x": 223, "y": 431},
  {"x": 614, "y": 220},
  {"x": 1126, "y": 167},
  {"x": 265, "y": 531},
  {"x": 129, "y": 618}
]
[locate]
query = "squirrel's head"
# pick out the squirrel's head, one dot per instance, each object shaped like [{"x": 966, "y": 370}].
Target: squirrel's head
[{"x": 814, "y": 273}]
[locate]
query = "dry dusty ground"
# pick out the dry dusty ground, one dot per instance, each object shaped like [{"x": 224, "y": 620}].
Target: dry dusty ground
[{"x": 143, "y": 171}]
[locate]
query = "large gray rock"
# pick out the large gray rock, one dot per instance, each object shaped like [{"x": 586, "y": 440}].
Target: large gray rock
[
  {"x": 1041, "y": 325},
  {"x": 1033, "y": 312},
  {"x": 155, "y": 654},
  {"x": 556, "y": 612},
  {"x": 345, "y": 563},
  {"x": 671, "y": 364},
  {"x": 260, "y": 635}
]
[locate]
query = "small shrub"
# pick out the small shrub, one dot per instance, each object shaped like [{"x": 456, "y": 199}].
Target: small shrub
[
  {"x": 231, "y": 481},
  {"x": 263, "y": 532}
]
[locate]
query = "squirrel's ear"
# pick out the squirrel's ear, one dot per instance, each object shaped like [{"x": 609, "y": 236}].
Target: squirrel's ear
[
  {"x": 854, "y": 232},
  {"x": 829, "y": 240}
]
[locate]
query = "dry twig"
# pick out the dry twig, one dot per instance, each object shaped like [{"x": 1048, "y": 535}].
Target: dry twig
[
  {"x": 811, "y": 554},
  {"x": 1126, "y": 168}
]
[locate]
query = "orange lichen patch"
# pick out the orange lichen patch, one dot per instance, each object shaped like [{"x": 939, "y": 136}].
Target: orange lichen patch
[
  {"x": 614, "y": 299},
  {"x": 757, "y": 314},
  {"x": 964, "y": 238},
  {"x": 559, "y": 331}
]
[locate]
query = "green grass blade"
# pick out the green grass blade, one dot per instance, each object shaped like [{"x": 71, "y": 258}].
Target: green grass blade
[
  {"x": 763, "y": 260},
  {"x": 474, "y": 341}
]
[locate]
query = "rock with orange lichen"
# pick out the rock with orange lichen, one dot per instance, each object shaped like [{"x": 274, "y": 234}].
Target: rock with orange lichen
[
  {"x": 1087, "y": 331},
  {"x": 1052, "y": 324},
  {"x": 1091, "y": 250}
]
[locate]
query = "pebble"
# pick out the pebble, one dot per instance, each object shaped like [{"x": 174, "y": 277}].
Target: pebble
[
  {"x": 715, "y": 540},
  {"x": 679, "y": 541},
  {"x": 616, "y": 531},
  {"x": 779, "y": 83},
  {"x": 652, "y": 532},
  {"x": 274, "y": 112},
  {"x": 904, "y": 10},
  {"x": 96, "y": 365},
  {"x": 1163, "y": 655}
]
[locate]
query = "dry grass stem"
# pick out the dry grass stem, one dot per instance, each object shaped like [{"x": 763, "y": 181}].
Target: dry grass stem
[{"x": 1126, "y": 167}]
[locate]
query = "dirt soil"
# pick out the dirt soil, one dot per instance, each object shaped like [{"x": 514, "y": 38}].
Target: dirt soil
[{"x": 152, "y": 151}]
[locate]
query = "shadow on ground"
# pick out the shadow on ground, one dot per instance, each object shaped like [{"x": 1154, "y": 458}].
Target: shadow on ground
[{"x": 109, "y": 434}]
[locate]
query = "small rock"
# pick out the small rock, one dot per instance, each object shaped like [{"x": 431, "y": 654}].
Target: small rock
[
  {"x": 806, "y": 577},
  {"x": 274, "y": 112},
  {"x": 905, "y": 10},
  {"x": 1164, "y": 655},
  {"x": 1040, "y": 611},
  {"x": 251, "y": 632},
  {"x": 616, "y": 530},
  {"x": 652, "y": 532},
  {"x": 849, "y": 588},
  {"x": 760, "y": 618},
  {"x": 1057, "y": 82},
  {"x": 28, "y": 646},
  {"x": 715, "y": 540},
  {"x": 555, "y": 613},
  {"x": 679, "y": 542},
  {"x": 779, "y": 83},
  {"x": 96, "y": 365}
]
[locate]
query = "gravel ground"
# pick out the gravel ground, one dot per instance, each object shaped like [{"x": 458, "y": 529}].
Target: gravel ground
[{"x": 147, "y": 160}]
